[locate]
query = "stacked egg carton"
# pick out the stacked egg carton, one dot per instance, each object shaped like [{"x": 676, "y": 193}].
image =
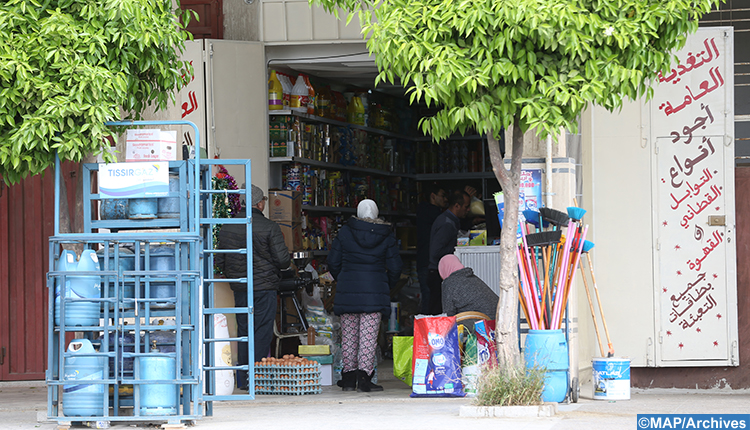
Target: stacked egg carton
[{"x": 288, "y": 376}]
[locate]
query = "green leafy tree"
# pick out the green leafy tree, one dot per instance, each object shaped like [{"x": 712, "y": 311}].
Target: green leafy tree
[
  {"x": 67, "y": 66},
  {"x": 525, "y": 64}
]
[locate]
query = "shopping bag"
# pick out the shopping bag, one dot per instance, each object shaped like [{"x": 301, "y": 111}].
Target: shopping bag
[
  {"x": 437, "y": 358},
  {"x": 402, "y": 356}
]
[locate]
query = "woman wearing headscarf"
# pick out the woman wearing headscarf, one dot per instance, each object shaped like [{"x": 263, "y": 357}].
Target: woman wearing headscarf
[
  {"x": 365, "y": 262},
  {"x": 463, "y": 291}
]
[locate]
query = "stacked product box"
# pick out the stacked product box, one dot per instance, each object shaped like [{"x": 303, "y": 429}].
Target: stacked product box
[{"x": 285, "y": 207}]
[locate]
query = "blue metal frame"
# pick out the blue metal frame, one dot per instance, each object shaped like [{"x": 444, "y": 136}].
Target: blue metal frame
[{"x": 189, "y": 313}]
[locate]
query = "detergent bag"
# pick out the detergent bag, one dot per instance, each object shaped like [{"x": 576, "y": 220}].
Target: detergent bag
[{"x": 437, "y": 358}]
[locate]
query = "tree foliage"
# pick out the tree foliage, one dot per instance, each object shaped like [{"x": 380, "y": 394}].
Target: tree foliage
[
  {"x": 67, "y": 66},
  {"x": 531, "y": 64},
  {"x": 485, "y": 63}
]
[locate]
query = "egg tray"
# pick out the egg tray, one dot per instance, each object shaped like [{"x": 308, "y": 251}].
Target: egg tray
[
  {"x": 274, "y": 371},
  {"x": 288, "y": 380},
  {"x": 287, "y": 390}
]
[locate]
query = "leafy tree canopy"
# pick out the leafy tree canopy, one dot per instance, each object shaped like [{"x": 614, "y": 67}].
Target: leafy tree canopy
[
  {"x": 67, "y": 66},
  {"x": 487, "y": 63}
]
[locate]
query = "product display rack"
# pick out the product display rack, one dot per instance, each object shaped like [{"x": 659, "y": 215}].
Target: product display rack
[{"x": 129, "y": 365}]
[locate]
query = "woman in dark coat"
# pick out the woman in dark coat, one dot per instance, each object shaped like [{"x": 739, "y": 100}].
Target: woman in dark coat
[{"x": 365, "y": 262}]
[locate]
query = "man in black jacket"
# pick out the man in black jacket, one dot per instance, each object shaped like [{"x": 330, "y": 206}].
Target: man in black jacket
[
  {"x": 444, "y": 234},
  {"x": 426, "y": 214},
  {"x": 270, "y": 256}
]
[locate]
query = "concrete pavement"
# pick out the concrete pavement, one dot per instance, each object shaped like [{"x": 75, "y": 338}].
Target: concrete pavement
[{"x": 23, "y": 406}]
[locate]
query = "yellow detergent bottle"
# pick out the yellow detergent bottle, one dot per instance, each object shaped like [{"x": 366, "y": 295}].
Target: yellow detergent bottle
[{"x": 275, "y": 92}]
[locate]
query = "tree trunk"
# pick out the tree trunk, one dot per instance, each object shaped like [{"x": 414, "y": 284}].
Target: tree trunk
[{"x": 506, "y": 328}]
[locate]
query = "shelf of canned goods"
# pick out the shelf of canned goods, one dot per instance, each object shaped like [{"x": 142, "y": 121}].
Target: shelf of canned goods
[{"x": 130, "y": 332}]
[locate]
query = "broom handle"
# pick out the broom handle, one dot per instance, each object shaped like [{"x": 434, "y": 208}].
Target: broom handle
[
  {"x": 577, "y": 260},
  {"x": 546, "y": 260},
  {"x": 525, "y": 286},
  {"x": 611, "y": 351},
  {"x": 591, "y": 306}
]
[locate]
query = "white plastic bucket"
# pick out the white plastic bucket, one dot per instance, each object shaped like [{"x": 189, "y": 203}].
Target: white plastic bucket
[{"x": 611, "y": 378}]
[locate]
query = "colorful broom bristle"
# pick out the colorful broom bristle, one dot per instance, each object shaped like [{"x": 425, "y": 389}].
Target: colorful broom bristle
[
  {"x": 532, "y": 217},
  {"x": 554, "y": 217},
  {"x": 587, "y": 245},
  {"x": 575, "y": 213},
  {"x": 544, "y": 238}
]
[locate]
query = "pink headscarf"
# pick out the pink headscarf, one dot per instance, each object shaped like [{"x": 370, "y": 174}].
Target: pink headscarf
[{"x": 449, "y": 264}]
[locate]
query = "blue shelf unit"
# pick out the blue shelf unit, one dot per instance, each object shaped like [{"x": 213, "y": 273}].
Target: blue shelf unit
[{"x": 137, "y": 345}]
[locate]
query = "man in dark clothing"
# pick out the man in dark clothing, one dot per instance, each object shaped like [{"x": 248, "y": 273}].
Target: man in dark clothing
[
  {"x": 444, "y": 234},
  {"x": 270, "y": 255},
  {"x": 426, "y": 214}
]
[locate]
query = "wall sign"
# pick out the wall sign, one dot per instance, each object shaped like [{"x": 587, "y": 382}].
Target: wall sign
[
  {"x": 133, "y": 180},
  {"x": 692, "y": 122}
]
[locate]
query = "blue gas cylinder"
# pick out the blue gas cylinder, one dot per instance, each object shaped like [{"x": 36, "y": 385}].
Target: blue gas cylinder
[
  {"x": 123, "y": 367},
  {"x": 114, "y": 209},
  {"x": 169, "y": 207},
  {"x": 82, "y": 399},
  {"x": 66, "y": 263},
  {"x": 158, "y": 399},
  {"x": 142, "y": 208},
  {"x": 161, "y": 258},
  {"x": 80, "y": 287},
  {"x": 125, "y": 262}
]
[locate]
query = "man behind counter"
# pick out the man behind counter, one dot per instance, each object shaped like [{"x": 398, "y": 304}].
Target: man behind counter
[
  {"x": 444, "y": 234},
  {"x": 426, "y": 214}
]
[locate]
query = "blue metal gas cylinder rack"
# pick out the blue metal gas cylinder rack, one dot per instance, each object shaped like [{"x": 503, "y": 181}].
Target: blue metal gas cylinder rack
[{"x": 129, "y": 365}]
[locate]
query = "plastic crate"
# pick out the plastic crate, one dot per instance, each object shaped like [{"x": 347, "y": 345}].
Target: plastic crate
[{"x": 288, "y": 380}]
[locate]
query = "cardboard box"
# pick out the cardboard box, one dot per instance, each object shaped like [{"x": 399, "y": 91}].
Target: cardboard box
[
  {"x": 151, "y": 145},
  {"x": 478, "y": 238},
  {"x": 285, "y": 205},
  {"x": 315, "y": 350},
  {"x": 292, "y": 232}
]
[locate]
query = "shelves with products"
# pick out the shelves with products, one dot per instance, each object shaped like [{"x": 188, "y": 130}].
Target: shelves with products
[
  {"x": 323, "y": 120},
  {"x": 328, "y": 165}
]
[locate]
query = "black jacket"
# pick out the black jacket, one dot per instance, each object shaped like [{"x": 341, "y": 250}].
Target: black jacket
[
  {"x": 270, "y": 254},
  {"x": 426, "y": 214},
  {"x": 444, "y": 234},
  {"x": 365, "y": 262},
  {"x": 464, "y": 291}
]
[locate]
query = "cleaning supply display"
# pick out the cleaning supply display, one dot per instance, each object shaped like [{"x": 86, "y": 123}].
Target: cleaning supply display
[
  {"x": 437, "y": 358},
  {"x": 548, "y": 261}
]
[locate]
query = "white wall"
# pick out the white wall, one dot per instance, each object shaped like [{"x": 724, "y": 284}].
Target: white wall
[{"x": 617, "y": 182}]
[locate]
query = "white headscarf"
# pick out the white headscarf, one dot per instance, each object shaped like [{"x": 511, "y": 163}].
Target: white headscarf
[{"x": 367, "y": 209}]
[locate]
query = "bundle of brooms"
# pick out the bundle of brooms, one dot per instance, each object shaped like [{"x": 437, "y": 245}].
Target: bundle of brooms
[{"x": 548, "y": 256}]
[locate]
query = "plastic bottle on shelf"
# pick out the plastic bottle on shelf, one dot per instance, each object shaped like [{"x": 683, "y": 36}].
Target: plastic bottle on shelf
[
  {"x": 359, "y": 111},
  {"x": 323, "y": 108},
  {"x": 275, "y": 92},
  {"x": 286, "y": 85},
  {"x": 310, "y": 97},
  {"x": 300, "y": 93}
]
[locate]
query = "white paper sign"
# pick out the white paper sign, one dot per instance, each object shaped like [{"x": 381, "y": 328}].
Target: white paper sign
[
  {"x": 133, "y": 180},
  {"x": 151, "y": 145}
]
